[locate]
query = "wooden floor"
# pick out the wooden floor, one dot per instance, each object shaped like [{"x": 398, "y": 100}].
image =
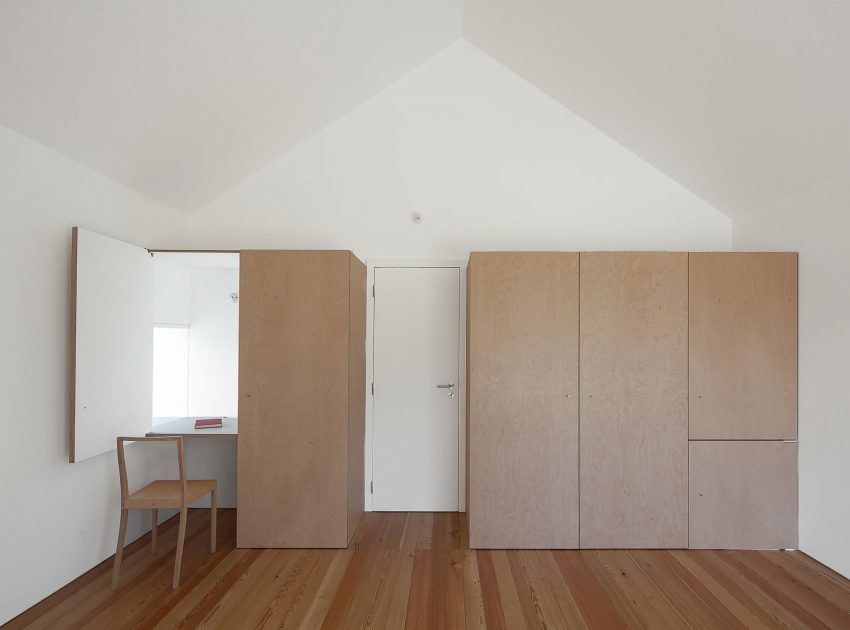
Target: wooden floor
[{"x": 415, "y": 571}]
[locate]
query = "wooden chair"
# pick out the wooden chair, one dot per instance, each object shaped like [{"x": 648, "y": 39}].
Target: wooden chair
[{"x": 171, "y": 493}]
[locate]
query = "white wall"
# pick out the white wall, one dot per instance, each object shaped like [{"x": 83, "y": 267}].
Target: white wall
[
  {"x": 65, "y": 515},
  {"x": 490, "y": 161},
  {"x": 816, "y": 223},
  {"x": 171, "y": 293},
  {"x": 213, "y": 342},
  {"x": 170, "y": 373}
]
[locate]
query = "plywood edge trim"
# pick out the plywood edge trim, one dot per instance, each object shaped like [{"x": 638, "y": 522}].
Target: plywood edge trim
[
  {"x": 348, "y": 534},
  {"x": 72, "y": 354},
  {"x": 356, "y": 267}
]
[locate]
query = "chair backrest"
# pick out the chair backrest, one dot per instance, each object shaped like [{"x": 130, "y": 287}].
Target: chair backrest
[{"x": 122, "y": 464}]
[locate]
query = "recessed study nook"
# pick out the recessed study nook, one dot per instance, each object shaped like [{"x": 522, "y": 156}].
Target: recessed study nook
[
  {"x": 155, "y": 338},
  {"x": 270, "y": 342}
]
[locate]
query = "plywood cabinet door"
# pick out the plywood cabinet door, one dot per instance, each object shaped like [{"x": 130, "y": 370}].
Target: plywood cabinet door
[
  {"x": 522, "y": 400},
  {"x": 743, "y": 346},
  {"x": 743, "y": 495},
  {"x": 634, "y": 400},
  {"x": 293, "y": 399}
]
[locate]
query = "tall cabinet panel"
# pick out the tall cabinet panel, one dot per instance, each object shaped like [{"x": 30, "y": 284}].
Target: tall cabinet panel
[
  {"x": 522, "y": 400},
  {"x": 743, "y": 346},
  {"x": 299, "y": 408},
  {"x": 634, "y": 400}
]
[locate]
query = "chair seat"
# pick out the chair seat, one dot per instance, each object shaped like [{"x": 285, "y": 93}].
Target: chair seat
[{"x": 165, "y": 493}]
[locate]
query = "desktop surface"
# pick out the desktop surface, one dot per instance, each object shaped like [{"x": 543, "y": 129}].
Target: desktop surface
[{"x": 186, "y": 427}]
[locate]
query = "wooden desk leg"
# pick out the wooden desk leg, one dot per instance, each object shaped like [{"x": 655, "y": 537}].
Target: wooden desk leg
[
  {"x": 119, "y": 548},
  {"x": 213, "y": 514},
  {"x": 213, "y": 511},
  {"x": 181, "y": 536},
  {"x": 154, "y": 523}
]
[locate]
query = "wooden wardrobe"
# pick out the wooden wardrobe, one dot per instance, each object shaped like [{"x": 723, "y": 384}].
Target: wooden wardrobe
[
  {"x": 632, "y": 399},
  {"x": 301, "y": 398}
]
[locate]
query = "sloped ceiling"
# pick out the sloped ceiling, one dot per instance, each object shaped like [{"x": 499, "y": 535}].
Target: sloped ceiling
[
  {"x": 183, "y": 99},
  {"x": 741, "y": 101}
]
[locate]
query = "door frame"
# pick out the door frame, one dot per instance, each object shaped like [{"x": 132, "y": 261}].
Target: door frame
[{"x": 395, "y": 263}]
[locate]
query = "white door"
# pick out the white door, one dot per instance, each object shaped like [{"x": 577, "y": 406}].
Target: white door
[{"x": 415, "y": 421}]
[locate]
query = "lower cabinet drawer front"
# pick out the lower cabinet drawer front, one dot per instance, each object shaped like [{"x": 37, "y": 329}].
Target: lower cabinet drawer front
[{"x": 743, "y": 495}]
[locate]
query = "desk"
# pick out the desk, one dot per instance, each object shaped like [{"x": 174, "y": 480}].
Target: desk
[{"x": 186, "y": 428}]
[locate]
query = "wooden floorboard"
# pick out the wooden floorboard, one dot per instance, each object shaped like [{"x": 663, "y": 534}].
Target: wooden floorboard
[{"x": 415, "y": 570}]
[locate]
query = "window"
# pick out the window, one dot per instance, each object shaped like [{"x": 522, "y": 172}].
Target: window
[{"x": 170, "y": 371}]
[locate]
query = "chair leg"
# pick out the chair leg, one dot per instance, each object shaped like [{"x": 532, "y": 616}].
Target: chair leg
[
  {"x": 213, "y": 514},
  {"x": 181, "y": 536},
  {"x": 154, "y": 524},
  {"x": 119, "y": 548}
]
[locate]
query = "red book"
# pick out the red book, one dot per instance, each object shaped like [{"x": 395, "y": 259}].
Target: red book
[{"x": 208, "y": 423}]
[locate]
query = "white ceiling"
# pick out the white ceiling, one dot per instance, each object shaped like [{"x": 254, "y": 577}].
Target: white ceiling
[
  {"x": 741, "y": 101},
  {"x": 184, "y": 99}
]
